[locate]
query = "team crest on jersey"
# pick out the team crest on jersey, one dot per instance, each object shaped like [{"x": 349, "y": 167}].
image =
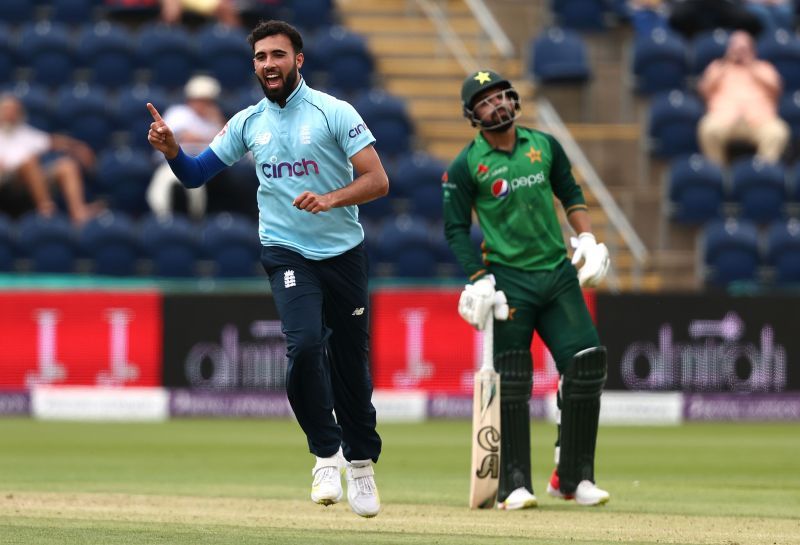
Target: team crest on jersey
[
  {"x": 482, "y": 171},
  {"x": 500, "y": 188}
]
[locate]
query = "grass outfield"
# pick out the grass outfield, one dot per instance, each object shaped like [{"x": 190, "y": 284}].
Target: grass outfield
[{"x": 247, "y": 481}]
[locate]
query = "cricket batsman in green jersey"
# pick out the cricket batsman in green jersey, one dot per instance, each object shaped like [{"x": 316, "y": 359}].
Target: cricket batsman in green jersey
[{"x": 508, "y": 175}]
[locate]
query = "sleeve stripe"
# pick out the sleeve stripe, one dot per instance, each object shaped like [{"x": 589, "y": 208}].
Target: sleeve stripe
[{"x": 576, "y": 207}]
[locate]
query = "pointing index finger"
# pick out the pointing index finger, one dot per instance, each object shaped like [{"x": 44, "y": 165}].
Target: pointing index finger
[{"x": 154, "y": 112}]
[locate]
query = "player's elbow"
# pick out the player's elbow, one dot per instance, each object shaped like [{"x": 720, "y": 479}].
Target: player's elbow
[{"x": 382, "y": 185}]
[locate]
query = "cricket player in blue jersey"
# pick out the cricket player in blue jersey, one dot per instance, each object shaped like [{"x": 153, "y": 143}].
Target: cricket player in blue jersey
[{"x": 306, "y": 145}]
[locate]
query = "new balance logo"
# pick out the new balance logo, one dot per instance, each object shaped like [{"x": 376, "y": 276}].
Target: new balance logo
[
  {"x": 288, "y": 279},
  {"x": 358, "y": 312}
]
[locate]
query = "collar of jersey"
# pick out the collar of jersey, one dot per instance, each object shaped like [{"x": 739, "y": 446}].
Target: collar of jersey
[
  {"x": 294, "y": 99},
  {"x": 486, "y": 148}
]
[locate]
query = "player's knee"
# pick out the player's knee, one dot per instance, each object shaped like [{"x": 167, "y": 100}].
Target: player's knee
[{"x": 304, "y": 345}]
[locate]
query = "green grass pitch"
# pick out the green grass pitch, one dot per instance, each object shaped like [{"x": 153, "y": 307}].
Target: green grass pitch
[{"x": 247, "y": 481}]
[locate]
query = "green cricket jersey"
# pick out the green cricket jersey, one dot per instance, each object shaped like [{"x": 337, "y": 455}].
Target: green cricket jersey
[{"x": 512, "y": 194}]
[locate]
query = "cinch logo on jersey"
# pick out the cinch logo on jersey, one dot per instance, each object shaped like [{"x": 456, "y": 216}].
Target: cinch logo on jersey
[
  {"x": 501, "y": 188},
  {"x": 358, "y": 129},
  {"x": 302, "y": 167}
]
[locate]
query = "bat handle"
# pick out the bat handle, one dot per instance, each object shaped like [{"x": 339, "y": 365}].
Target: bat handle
[{"x": 487, "y": 360}]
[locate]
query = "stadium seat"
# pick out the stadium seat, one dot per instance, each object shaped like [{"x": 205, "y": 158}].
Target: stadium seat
[
  {"x": 171, "y": 245},
  {"x": 132, "y": 115},
  {"x": 231, "y": 242},
  {"x": 169, "y": 53},
  {"x": 672, "y": 124},
  {"x": 38, "y": 105},
  {"x": 782, "y": 49},
  {"x": 660, "y": 62},
  {"x": 241, "y": 98},
  {"x": 580, "y": 14},
  {"x": 7, "y": 244},
  {"x": 49, "y": 243},
  {"x": 696, "y": 189},
  {"x": 559, "y": 56},
  {"x": 346, "y": 59},
  {"x": 312, "y": 15},
  {"x": 71, "y": 12},
  {"x": 406, "y": 245},
  {"x": 48, "y": 51},
  {"x": 83, "y": 113},
  {"x": 706, "y": 47},
  {"x": 109, "y": 52},
  {"x": 426, "y": 202},
  {"x": 783, "y": 251},
  {"x": 226, "y": 55},
  {"x": 16, "y": 12},
  {"x": 759, "y": 189},
  {"x": 731, "y": 251},
  {"x": 111, "y": 243},
  {"x": 8, "y": 54},
  {"x": 387, "y": 118},
  {"x": 377, "y": 210},
  {"x": 123, "y": 174},
  {"x": 414, "y": 170}
]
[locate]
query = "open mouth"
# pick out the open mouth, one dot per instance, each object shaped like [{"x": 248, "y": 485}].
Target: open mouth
[{"x": 273, "y": 80}]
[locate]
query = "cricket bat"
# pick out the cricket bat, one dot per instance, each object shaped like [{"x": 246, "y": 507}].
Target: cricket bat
[{"x": 485, "y": 469}]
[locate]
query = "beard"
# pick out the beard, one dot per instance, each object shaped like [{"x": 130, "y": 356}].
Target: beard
[{"x": 280, "y": 94}]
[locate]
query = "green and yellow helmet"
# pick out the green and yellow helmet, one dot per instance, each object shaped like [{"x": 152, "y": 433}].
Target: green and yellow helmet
[{"x": 480, "y": 81}]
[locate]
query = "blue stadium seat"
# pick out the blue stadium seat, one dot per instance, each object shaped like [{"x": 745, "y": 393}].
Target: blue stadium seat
[
  {"x": 48, "y": 51},
  {"x": 171, "y": 245},
  {"x": 231, "y": 242},
  {"x": 696, "y": 189},
  {"x": 580, "y": 14},
  {"x": 169, "y": 53},
  {"x": 109, "y": 52},
  {"x": 49, "y": 243},
  {"x": 7, "y": 244},
  {"x": 660, "y": 62},
  {"x": 377, "y": 210},
  {"x": 71, "y": 12},
  {"x": 426, "y": 202},
  {"x": 241, "y": 98},
  {"x": 406, "y": 245},
  {"x": 8, "y": 54},
  {"x": 783, "y": 251},
  {"x": 132, "y": 115},
  {"x": 16, "y": 12},
  {"x": 731, "y": 251},
  {"x": 672, "y": 124},
  {"x": 38, "y": 105},
  {"x": 789, "y": 111},
  {"x": 111, "y": 242},
  {"x": 414, "y": 170},
  {"x": 226, "y": 55},
  {"x": 782, "y": 49},
  {"x": 559, "y": 56},
  {"x": 346, "y": 59},
  {"x": 123, "y": 174},
  {"x": 759, "y": 189},
  {"x": 312, "y": 15},
  {"x": 387, "y": 119},
  {"x": 83, "y": 112},
  {"x": 706, "y": 47}
]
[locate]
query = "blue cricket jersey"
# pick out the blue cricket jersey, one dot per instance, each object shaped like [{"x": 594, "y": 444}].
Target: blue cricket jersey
[{"x": 305, "y": 145}]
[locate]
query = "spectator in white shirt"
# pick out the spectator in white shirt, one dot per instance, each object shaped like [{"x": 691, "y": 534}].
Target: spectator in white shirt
[{"x": 25, "y": 158}]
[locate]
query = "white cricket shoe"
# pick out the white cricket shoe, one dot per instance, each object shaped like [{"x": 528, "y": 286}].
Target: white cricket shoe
[
  {"x": 362, "y": 492},
  {"x": 587, "y": 493},
  {"x": 326, "y": 489},
  {"x": 518, "y": 499}
]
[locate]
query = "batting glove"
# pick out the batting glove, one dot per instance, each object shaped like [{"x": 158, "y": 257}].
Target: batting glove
[
  {"x": 594, "y": 257},
  {"x": 479, "y": 299}
]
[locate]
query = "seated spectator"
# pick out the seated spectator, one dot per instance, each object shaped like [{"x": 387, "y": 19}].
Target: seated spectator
[
  {"x": 33, "y": 158},
  {"x": 195, "y": 124},
  {"x": 223, "y": 11},
  {"x": 773, "y": 14},
  {"x": 741, "y": 94},
  {"x": 690, "y": 17}
]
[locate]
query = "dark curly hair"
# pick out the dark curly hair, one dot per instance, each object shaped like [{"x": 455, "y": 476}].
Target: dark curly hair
[{"x": 272, "y": 28}]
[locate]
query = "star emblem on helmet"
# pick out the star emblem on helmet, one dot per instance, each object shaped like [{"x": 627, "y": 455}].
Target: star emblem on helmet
[
  {"x": 482, "y": 77},
  {"x": 534, "y": 155}
]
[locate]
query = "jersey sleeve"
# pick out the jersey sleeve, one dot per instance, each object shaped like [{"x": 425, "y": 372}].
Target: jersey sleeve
[
  {"x": 458, "y": 197},
  {"x": 349, "y": 128},
  {"x": 230, "y": 144},
  {"x": 563, "y": 183}
]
